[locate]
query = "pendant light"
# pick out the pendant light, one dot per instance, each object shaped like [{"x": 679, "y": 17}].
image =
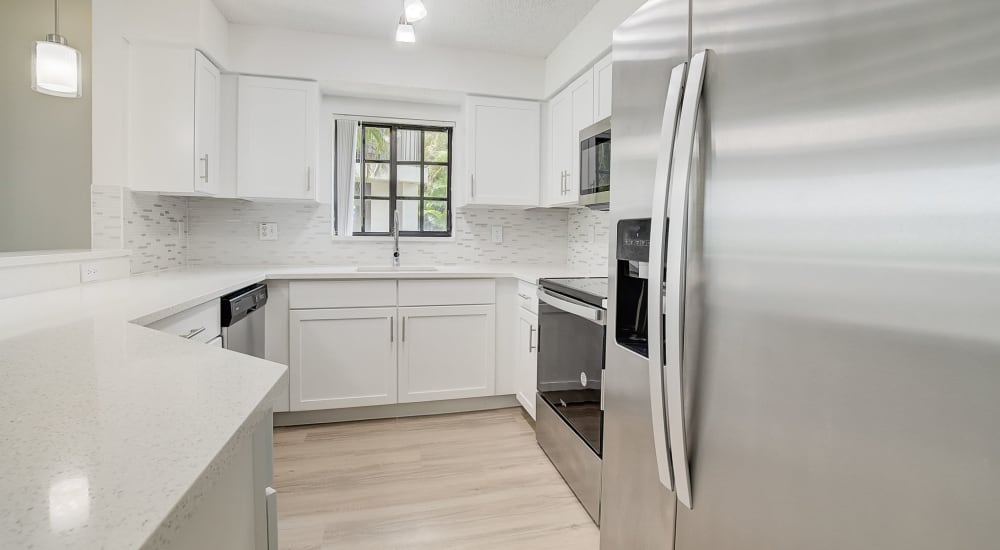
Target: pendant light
[
  {"x": 414, "y": 10},
  {"x": 55, "y": 66},
  {"x": 405, "y": 32}
]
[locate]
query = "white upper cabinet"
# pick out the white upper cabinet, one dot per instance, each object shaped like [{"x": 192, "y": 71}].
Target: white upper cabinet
[
  {"x": 207, "y": 114},
  {"x": 174, "y": 114},
  {"x": 602, "y": 88},
  {"x": 277, "y": 139},
  {"x": 570, "y": 111},
  {"x": 503, "y": 147}
]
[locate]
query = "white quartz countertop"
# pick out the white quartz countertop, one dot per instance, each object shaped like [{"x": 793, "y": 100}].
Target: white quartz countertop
[{"x": 110, "y": 426}]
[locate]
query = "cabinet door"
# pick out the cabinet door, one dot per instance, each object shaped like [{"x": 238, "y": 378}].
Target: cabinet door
[
  {"x": 207, "y": 113},
  {"x": 446, "y": 352},
  {"x": 582, "y": 93},
  {"x": 277, "y": 146},
  {"x": 560, "y": 130},
  {"x": 342, "y": 358},
  {"x": 526, "y": 379},
  {"x": 602, "y": 88},
  {"x": 504, "y": 155}
]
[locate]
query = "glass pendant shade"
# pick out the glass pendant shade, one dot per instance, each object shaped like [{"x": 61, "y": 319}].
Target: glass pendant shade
[
  {"x": 405, "y": 32},
  {"x": 55, "y": 68},
  {"x": 415, "y": 10}
]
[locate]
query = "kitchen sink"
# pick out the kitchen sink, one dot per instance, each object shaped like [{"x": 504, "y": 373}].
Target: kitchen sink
[{"x": 391, "y": 269}]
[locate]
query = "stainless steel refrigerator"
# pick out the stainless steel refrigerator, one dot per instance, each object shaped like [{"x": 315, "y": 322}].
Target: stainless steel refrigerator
[{"x": 809, "y": 356}]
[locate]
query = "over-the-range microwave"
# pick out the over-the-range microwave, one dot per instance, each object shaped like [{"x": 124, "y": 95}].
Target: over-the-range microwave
[{"x": 595, "y": 165}]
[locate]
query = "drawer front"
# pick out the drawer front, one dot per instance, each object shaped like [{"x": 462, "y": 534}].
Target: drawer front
[
  {"x": 200, "y": 324},
  {"x": 527, "y": 296},
  {"x": 337, "y": 294},
  {"x": 447, "y": 292}
]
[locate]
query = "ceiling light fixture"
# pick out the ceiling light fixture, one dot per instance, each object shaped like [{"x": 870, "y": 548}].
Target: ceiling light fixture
[
  {"x": 55, "y": 66},
  {"x": 414, "y": 10},
  {"x": 405, "y": 32}
]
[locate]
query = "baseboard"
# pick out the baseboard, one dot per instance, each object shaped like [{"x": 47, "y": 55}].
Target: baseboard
[{"x": 399, "y": 410}]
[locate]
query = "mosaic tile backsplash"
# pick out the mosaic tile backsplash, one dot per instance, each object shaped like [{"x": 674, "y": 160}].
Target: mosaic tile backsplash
[
  {"x": 169, "y": 232},
  {"x": 155, "y": 231},
  {"x": 106, "y": 220},
  {"x": 587, "y": 239},
  {"x": 222, "y": 231}
]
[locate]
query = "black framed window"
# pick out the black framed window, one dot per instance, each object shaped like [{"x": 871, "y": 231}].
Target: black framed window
[{"x": 406, "y": 168}]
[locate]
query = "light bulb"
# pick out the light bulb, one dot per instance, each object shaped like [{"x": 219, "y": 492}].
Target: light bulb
[{"x": 415, "y": 10}]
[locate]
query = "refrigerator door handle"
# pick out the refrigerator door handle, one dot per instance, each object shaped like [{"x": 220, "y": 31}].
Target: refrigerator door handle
[
  {"x": 676, "y": 271},
  {"x": 657, "y": 236}
]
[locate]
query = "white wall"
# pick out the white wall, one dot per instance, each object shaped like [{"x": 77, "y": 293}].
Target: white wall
[
  {"x": 341, "y": 61},
  {"x": 586, "y": 43}
]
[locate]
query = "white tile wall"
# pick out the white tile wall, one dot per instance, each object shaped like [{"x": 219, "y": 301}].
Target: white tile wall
[
  {"x": 106, "y": 227},
  {"x": 152, "y": 231},
  {"x": 587, "y": 241},
  {"x": 224, "y": 231}
]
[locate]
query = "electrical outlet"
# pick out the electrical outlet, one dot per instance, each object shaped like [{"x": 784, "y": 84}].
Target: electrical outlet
[
  {"x": 267, "y": 231},
  {"x": 90, "y": 272},
  {"x": 497, "y": 234},
  {"x": 592, "y": 234}
]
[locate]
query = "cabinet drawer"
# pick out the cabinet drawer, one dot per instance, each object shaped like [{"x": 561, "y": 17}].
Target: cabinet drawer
[
  {"x": 447, "y": 292},
  {"x": 335, "y": 294},
  {"x": 200, "y": 323},
  {"x": 527, "y": 296}
]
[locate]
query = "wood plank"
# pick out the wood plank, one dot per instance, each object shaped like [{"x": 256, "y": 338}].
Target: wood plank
[{"x": 470, "y": 480}]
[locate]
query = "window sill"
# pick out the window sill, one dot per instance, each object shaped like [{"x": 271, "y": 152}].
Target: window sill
[{"x": 381, "y": 239}]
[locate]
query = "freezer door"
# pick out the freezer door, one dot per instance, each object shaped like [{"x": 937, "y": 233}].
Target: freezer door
[
  {"x": 637, "y": 510},
  {"x": 847, "y": 265}
]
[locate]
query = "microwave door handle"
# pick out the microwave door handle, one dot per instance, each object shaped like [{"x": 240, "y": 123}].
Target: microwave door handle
[
  {"x": 676, "y": 267},
  {"x": 654, "y": 308}
]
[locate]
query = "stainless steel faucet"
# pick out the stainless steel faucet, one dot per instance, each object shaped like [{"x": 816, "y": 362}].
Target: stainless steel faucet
[{"x": 395, "y": 236}]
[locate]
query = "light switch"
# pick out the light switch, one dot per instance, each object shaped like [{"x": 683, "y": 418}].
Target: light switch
[
  {"x": 498, "y": 234},
  {"x": 267, "y": 231}
]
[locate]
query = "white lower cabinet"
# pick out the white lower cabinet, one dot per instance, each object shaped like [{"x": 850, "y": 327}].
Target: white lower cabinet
[
  {"x": 342, "y": 358},
  {"x": 526, "y": 373},
  {"x": 446, "y": 352}
]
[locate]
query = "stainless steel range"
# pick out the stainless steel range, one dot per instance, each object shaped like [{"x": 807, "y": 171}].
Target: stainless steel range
[{"x": 570, "y": 404}]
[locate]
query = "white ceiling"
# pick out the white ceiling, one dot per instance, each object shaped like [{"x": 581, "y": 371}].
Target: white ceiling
[{"x": 521, "y": 27}]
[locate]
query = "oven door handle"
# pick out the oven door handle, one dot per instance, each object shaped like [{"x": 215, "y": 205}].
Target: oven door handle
[{"x": 580, "y": 309}]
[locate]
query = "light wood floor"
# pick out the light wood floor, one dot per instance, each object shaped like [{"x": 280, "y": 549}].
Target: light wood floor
[{"x": 455, "y": 482}]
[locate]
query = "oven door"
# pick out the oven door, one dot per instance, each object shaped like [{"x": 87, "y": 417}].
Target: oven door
[{"x": 571, "y": 363}]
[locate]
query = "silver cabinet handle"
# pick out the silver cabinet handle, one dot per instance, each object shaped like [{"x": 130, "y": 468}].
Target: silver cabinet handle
[
  {"x": 308, "y": 178},
  {"x": 472, "y": 184},
  {"x": 193, "y": 332},
  {"x": 524, "y": 296},
  {"x": 580, "y": 309},
  {"x": 676, "y": 272},
  {"x": 204, "y": 159},
  {"x": 564, "y": 186},
  {"x": 392, "y": 330},
  {"x": 531, "y": 339},
  {"x": 404, "y": 330},
  {"x": 657, "y": 232}
]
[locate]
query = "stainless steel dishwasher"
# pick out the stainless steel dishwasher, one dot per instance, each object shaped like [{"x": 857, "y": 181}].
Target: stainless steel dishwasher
[{"x": 243, "y": 320}]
